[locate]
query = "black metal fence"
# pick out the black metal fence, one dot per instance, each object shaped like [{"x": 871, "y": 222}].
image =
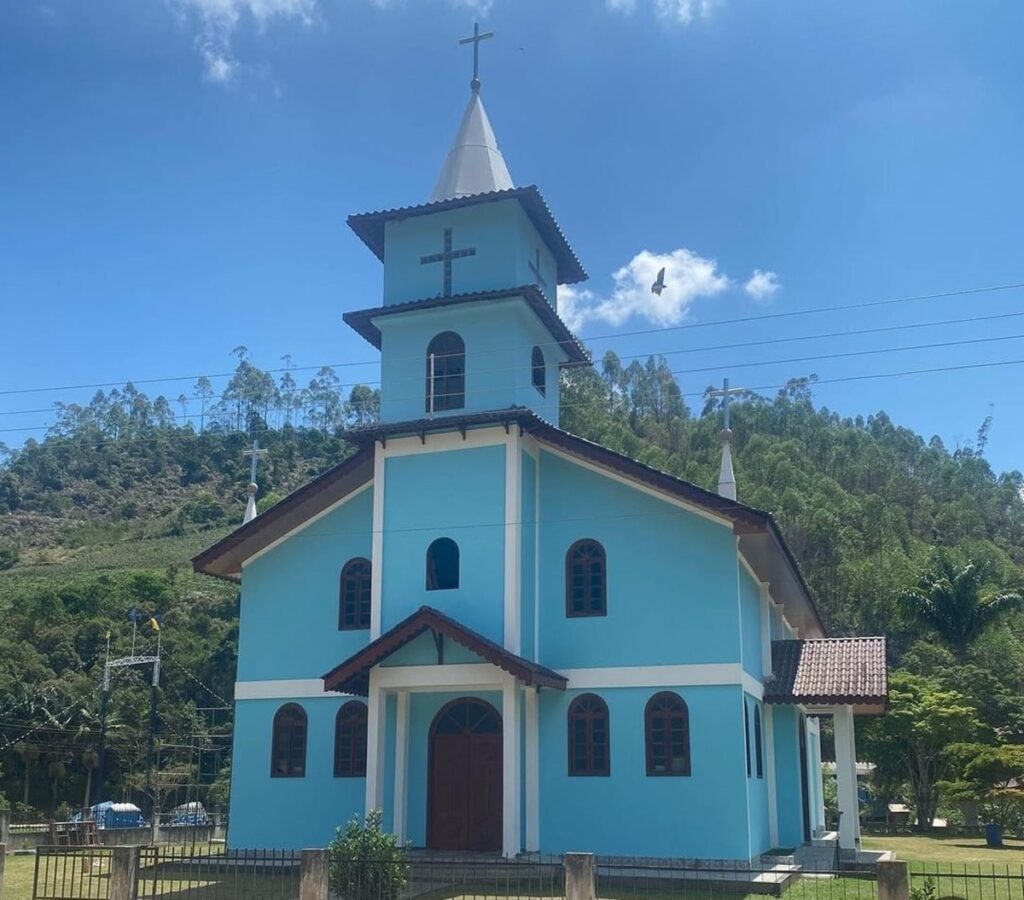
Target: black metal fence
[
  {"x": 72, "y": 873},
  {"x": 211, "y": 873},
  {"x": 966, "y": 881}
]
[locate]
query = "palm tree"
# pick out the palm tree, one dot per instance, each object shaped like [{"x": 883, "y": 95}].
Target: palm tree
[{"x": 949, "y": 601}]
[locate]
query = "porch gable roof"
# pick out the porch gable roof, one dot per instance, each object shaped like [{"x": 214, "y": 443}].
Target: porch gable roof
[
  {"x": 353, "y": 675},
  {"x": 830, "y": 671}
]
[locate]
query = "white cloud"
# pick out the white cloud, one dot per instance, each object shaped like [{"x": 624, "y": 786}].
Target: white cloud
[
  {"x": 688, "y": 277},
  {"x": 219, "y": 19},
  {"x": 762, "y": 285},
  {"x": 679, "y": 12}
]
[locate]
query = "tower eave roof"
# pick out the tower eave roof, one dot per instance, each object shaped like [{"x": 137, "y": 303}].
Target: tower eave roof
[
  {"x": 369, "y": 226},
  {"x": 362, "y": 320}
]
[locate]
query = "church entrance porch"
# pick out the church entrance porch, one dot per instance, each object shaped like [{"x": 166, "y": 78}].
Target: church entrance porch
[{"x": 464, "y": 802}]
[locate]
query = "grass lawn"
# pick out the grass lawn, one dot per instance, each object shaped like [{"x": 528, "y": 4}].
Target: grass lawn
[
  {"x": 953, "y": 850},
  {"x": 18, "y": 878}
]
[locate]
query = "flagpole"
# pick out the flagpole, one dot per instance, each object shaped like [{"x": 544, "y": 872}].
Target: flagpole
[{"x": 104, "y": 697}]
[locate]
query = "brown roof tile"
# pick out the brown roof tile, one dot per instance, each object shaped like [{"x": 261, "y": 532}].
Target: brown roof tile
[{"x": 829, "y": 670}]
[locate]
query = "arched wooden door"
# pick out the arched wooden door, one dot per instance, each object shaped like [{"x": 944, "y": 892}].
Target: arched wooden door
[{"x": 464, "y": 789}]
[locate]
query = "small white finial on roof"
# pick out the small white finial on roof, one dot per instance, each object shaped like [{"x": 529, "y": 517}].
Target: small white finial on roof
[{"x": 474, "y": 164}]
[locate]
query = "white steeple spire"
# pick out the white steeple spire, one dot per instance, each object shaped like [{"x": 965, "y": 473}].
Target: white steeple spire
[
  {"x": 250, "y": 504},
  {"x": 726, "y": 476},
  {"x": 474, "y": 164}
]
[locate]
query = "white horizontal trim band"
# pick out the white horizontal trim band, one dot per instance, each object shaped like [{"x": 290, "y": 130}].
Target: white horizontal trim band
[{"x": 484, "y": 675}]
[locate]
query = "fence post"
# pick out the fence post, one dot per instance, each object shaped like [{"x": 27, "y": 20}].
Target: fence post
[
  {"x": 313, "y": 875},
  {"x": 5, "y": 826},
  {"x": 893, "y": 880},
  {"x": 579, "y": 876},
  {"x": 3, "y": 860},
  {"x": 124, "y": 873}
]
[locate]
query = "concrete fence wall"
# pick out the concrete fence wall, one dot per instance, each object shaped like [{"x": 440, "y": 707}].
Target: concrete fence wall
[{"x": 39, "y": 836}]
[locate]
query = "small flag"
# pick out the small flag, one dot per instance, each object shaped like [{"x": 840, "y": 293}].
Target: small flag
[
  {"x": 154, "y": 621},
  {"x": 108, "y": 634},
  {"x": 133, "y": 616}
]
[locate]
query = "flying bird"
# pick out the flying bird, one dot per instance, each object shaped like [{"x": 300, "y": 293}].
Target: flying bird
[{"x": 659, "y": 283}]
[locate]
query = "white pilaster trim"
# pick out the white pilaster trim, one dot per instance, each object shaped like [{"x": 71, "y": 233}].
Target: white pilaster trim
[
  {"x": 445, "y": 441},
  {"x": 768, "y": 724},
  {"x": 536, "y": 560},
  {"x": 532, "y": 725},
  {"x": 315, "y": 518},
  {"x": 513, "y": 541},
  {"x": 510, "y": 799},
  {"x": 766, "y": 629},
  {"x": 637, "y": 485},
  {"x": 401, "y": 758},
  {"x": 377, "y": 545},
  {"x": 375, "y": 740}
]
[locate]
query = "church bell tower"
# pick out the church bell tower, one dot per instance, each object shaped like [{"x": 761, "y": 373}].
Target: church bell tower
[{"x": 469, "y": 320}]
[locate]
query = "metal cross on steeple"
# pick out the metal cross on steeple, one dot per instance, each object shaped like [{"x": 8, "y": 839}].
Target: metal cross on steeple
[
  {"x": 446, "y": 257},
  {"x": 475, "y": 41},
  {"x": 726, "y": 393},
  {"x": 256, "y": 455},
  {"x": 250, "y": 506}
]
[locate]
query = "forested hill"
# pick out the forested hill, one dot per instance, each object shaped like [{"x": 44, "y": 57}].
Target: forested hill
[{"x": 104, "y": 514}]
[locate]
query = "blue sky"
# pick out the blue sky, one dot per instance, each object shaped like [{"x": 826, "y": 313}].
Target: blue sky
[{"x": 176, "y": 175}]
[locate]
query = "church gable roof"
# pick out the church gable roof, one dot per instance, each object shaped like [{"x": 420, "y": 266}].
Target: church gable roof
[
  {"x": 224, "y": 559},
  {"x": 370, "y": 226},
  {"x": 830, "y": 671},
  {"x": 352, "y": 676},
  {"x": 362, "y": 320}
]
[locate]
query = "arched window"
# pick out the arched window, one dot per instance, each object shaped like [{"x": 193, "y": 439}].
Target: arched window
[
  {"x": 746, "y": 733},
  {"x": 442, "y": 565},
  {"x": 354, "y": 595},
  {"x": 446, "y": 372},
  {"x": 758, "y": 750},
  {"x": 539, "y": 371},
  {"x": 589, "y": 749},
  {"x": 585, "y": 593},
  {"x": 350, "y": 741},
  {"x": 288, "y": 748},
  {"x": 667, "y": 733}
]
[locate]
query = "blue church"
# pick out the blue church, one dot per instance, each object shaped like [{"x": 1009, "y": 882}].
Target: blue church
[{"x": 506, "y": 637}]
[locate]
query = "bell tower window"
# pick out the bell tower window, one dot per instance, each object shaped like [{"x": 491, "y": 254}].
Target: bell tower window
[
  {"x": 539, "y": 371},
  {"x": 446, "y": 373}
]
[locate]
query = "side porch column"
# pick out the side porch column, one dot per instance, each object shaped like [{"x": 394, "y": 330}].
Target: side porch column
[
  {"x": 846, "y": 778},
  {"x": 510, "y": 740},
  {"x": 532, "y": 770},
  {"x": 375, "y": 723},
  {"x": 818, "y": 794},
  {"x": 401, "y": 757}
]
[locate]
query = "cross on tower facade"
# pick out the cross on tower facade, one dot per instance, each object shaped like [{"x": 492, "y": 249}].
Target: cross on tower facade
[
  {"x": 534, "y": 265},
  {"x": 475, "y": 41},
  {"x": 446, "y": 256}
]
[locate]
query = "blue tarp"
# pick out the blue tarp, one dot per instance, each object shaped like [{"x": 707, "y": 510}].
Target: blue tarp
[{"x": 116, "y": 815}]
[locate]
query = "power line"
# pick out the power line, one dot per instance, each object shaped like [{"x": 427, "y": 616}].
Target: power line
[
  {"x": 707, "y": 349},
  {"x": 674, "y": 372},
  {"x": 839, "y": 307}
]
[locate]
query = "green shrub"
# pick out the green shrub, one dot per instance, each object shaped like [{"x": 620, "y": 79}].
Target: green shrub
[
  {"x": 366, "y": 863},
  {"x": 8, "y": 557}
]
